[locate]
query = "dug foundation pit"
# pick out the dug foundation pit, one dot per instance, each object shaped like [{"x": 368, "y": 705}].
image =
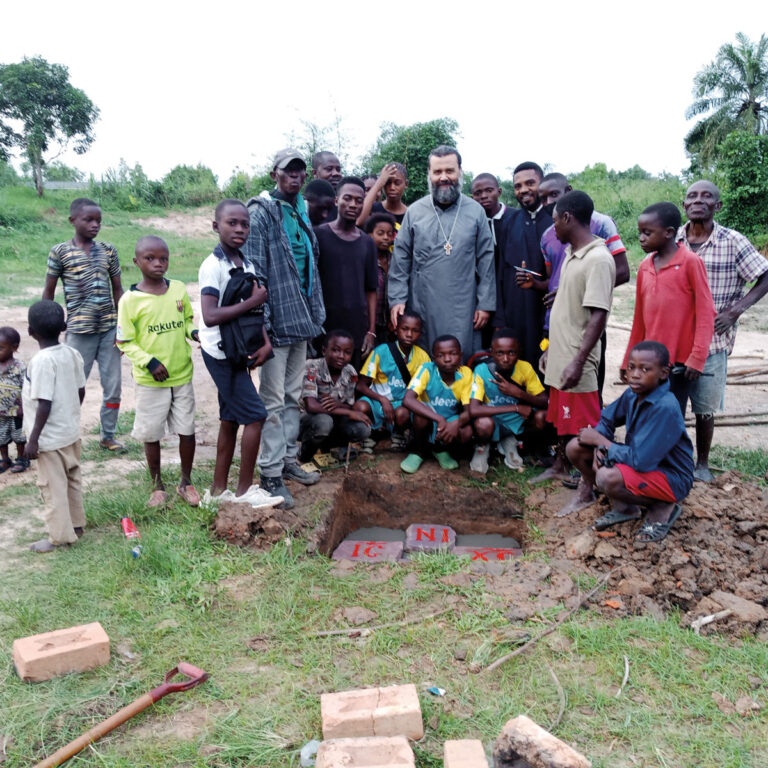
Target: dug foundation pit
[{"x": 367, "y": 505}]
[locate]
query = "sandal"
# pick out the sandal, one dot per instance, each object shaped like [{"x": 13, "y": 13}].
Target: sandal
[
  {"x": 189, "y": 494},
  {"x": 411, "y": 463},
  {"x": 20, "y": 465},
  {"x": 5, "y": 465},
  {"x": 157, "y": 499},
  {"x": 652, "y": 532},
  {"x": 446, "y": 461},
  {"x": 613, "y": 517}
]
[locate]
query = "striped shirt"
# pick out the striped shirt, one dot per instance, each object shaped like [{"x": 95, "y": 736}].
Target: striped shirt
[
  {"x": 87, "y": 280},
  {"x": 731, "y": 262}
]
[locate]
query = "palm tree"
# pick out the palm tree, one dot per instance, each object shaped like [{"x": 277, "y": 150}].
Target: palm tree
[{"x": 734, "y": 90}]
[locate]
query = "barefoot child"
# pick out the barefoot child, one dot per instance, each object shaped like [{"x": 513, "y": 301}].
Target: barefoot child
[
  {"x": 386, "y": 375},
  {"x": 653, "y": 468},
  {"x": 12, "y": 373},
  {"x": 154, "y": 319},
  {"x": 505, "y": 393},
  {"x": 239, "y": 403},
  {"x": 328, "y": 395},
  {"x": 437, "y": 396},
  {"x": 673, "y": 304},
  {"x": 90, "y": 273},
  {"x": 52, "y": 393}
]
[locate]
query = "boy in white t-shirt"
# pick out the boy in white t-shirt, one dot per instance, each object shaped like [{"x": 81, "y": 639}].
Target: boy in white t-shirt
[{"x": 53, "y": 390}]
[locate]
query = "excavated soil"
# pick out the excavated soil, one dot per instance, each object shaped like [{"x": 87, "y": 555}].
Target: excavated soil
[{"x": 715, "y": 557}]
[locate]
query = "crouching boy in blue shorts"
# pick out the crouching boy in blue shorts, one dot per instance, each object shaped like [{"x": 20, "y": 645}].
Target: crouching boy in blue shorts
[
  {"x": 386, "y": 375},
  {"x": 328, "y": 395},
  {"x": 154, "y": 319},
  {"x": 437, "y": 396},
  {"x": 653, "y": 468},
  {"x": 505, "y": 393}
]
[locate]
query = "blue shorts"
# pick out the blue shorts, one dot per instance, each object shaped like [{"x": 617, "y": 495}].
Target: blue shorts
[
  {"x": 708, "y": 391},
  {"x": 377, "y": 413},
  {"x": 238, "y": 399},
  {"x": 507, "y": 424}
]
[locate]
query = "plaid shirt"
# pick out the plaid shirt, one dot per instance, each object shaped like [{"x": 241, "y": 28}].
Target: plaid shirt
[
  {"x": 290, "y": 314},
  {"x": 731, "y": 262}
]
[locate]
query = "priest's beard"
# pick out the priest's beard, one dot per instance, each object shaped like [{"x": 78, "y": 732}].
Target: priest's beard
[{"x": 444, "y": 194}]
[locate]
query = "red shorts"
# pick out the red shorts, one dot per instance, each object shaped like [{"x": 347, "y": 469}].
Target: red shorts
[
  {"x": 570, "y": 411},
  {"x": 653, "y": 484}
]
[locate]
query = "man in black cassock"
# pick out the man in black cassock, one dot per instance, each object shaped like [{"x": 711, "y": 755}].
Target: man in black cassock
[{"x": 519, "y": 238}]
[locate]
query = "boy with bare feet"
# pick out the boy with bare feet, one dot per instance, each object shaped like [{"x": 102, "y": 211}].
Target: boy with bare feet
[
  {"x": 653, "y": 468},
  {"x": 578, "y": 319},
  {"x": 154, "y": 320}
]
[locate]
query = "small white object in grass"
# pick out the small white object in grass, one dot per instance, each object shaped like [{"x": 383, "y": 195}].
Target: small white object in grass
[{"x": 308, "y": 752}]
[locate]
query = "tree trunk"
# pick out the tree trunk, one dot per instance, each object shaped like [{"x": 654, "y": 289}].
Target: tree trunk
[{"x": 37, "y": 176}]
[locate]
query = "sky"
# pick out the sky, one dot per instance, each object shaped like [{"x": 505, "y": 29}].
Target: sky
[{"x": 566, "y": 84}]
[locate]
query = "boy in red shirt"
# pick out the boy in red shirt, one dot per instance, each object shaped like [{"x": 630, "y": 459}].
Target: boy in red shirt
[{"x": 673, "y": 304}]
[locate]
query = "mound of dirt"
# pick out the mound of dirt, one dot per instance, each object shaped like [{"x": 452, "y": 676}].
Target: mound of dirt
[{"x": 241, "y": 524}]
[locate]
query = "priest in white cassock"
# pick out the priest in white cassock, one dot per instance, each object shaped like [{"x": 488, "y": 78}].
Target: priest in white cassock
[{"x": 442, "y": 265}]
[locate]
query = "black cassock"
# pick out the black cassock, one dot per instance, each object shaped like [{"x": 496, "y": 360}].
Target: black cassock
[{"x": 522, "y": 310}]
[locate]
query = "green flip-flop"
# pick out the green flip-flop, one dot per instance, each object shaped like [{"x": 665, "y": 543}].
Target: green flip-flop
[
  {"x": 445, "y": 460},
  {"x": 411, "y": 463}
]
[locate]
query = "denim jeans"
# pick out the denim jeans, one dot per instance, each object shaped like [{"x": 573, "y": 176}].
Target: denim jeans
[
  {"x": 280, "y": 383},
  {"x": 100, "y": 347}
]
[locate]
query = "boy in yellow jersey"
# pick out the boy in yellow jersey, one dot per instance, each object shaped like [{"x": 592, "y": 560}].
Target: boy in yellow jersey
[
  {"x": 154, "y": 319},
  {"x": 437, "y": 396}
]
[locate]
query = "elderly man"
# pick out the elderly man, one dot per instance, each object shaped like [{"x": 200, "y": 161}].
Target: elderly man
[
  {"x": 731, "y": 262},
  {"x": 442, "y": 265}
]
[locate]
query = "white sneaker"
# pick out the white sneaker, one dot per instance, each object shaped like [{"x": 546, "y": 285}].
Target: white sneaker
[
  {"x": 479, "y": 461},
  {"x": 258, "y": 497},
  {"x": 209, "y": 502},
  {"x": 508, "y": 446}
]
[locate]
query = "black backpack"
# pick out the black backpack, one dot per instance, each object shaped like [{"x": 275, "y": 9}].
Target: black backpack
[{"x": 244, "y": 335}]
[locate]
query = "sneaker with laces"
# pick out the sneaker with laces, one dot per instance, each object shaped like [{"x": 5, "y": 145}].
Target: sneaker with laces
[
  {"x": 275, "y": 486},
  {"x": 292, "y": 470},
  {"x": 508, "y": 446},
  {"x": 479, "y": 461},
  {"x": 258, "y": 497},
  {"x": 398, "y": 441}
]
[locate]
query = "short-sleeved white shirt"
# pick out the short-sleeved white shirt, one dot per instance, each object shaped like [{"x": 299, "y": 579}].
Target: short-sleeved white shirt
[
  {"x": 213, "y": 277},
  {"x": 55, "y": 374}
]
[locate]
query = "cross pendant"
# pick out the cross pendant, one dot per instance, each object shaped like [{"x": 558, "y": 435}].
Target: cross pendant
[{"x": 447, "y": 247}]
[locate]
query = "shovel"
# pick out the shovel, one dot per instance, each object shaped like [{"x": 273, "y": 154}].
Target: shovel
[{"x": 194, "y": 677}]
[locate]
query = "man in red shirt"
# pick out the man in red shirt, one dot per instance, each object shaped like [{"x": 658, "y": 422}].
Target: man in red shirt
[{"x": 673, "y": 304}]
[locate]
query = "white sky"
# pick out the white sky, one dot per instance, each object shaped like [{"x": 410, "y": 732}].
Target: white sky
[{"x": 565, "y": 83}]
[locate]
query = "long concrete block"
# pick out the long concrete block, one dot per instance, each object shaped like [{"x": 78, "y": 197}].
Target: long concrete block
[
  {"x": 50, "y": 654},
  {"x": 366, "y": 752},
  {"x": 464, "y": 753},
  {"x": 369, "y": 551},
  {"x": 522, "y": 738},
  {"x": 389, "y": 711},
  {"x": 426, "y": 537}
]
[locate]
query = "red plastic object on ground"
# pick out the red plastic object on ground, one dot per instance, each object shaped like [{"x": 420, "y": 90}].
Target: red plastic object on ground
[{"x": 129, "y": 528}]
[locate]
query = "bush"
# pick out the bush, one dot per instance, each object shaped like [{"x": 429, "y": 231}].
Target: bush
[
  {"x": 185, "y": 185},
  {"x": 8, "y": 177},
  {"x": 242, "y": 186},
  {"x": 126, "y": 188}
]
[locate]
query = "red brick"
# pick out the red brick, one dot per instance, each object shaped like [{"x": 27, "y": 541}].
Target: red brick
[
  {"x": 426, "y": 537},
  {"x": 369, "y": 551},
  {"x": 488, "y": 554},
  {"x": 522, "y": 738},
  {"x": 390, "y": 711},
  {"x": 76, "y": 649},
  {"x": 465, "y": 753},
  {"x": 366, "y": 752}
]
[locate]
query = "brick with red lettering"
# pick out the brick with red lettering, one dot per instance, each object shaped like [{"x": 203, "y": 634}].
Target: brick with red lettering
[
  {"x": 488, "y": 554},
  {"x": 426, "y": 537},
  {"x": 369, "y": 551}
]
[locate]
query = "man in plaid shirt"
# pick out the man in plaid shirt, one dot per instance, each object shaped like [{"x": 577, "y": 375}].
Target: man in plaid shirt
[{"x": 732, "y": 262}]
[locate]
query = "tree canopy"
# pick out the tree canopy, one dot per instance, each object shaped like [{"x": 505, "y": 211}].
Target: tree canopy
[
  {"x": 733, "y": 92},
  {"x": 410, "y": 145},
  {"x": 40, "y": 108}
]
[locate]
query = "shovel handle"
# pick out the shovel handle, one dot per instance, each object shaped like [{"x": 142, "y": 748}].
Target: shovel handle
[{"x": 194, "y": 677}]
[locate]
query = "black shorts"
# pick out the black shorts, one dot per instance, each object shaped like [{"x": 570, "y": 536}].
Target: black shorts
[{"x": 238, "y": 399}]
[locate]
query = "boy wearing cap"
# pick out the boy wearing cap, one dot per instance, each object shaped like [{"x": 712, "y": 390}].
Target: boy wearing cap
[{"x": 283, "y": 249}]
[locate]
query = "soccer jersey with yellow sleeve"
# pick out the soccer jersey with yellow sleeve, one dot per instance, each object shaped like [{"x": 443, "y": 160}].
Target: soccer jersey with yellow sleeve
[
  {"x": 444, "y": 400},
  {"x": 151, "y": 326},
  {"x": 385, "y": 376},
  {"x": 486, "y": 390}
]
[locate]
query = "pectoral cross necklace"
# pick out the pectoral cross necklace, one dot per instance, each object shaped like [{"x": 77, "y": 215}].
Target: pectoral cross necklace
[{"x": 447, "y": 247}]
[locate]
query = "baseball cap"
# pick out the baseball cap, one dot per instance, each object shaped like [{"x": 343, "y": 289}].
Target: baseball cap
[{"x": 285, "y": 156}]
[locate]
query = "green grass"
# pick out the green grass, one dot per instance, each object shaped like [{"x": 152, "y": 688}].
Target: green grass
[
  {"x": 194, "y": 598},
  {"x": 752, "y": 463},
  {"x": 36, "y": 224}
]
